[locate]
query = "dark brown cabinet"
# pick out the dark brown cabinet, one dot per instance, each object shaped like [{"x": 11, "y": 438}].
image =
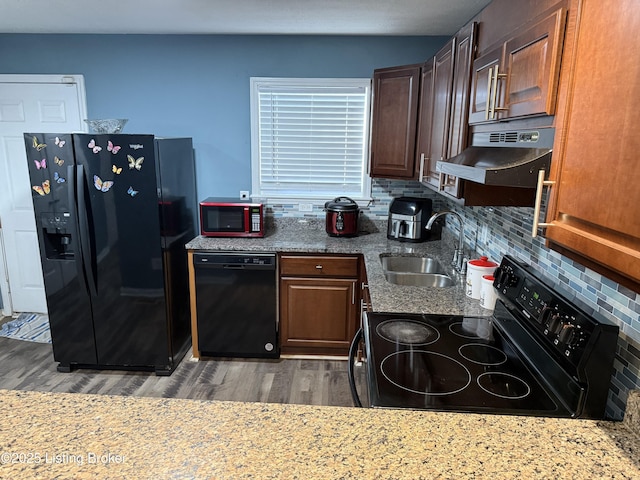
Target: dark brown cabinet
[
  {"x": 482, "y": 85},
  {"x": 393, "y": 128},
  {"x": 425, "y": 110},
  {"x": 519, "y": 78},
  {"x": 319, "y": 303},
  {"x": 594, "y": 209},
  {"x": 447, "y": 126},
  {"x": 434, "y": 122},
  {"x": 420, "y": 114}
]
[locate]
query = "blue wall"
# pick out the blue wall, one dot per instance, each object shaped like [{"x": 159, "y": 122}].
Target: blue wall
[{"x": 198, "y": 86}]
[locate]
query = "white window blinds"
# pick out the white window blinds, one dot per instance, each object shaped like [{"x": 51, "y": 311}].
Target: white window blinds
[{"x": 310, "y": 137}]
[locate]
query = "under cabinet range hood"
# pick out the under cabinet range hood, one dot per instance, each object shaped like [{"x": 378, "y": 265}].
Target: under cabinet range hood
[{"x": 507, "y": 158}]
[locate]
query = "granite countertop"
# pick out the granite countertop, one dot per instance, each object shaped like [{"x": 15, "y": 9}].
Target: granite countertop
[
  {"x": 309, "y": 236},
  {"x": 61, "y": 435}
]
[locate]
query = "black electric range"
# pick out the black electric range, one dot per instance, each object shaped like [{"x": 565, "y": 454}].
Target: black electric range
[{"x": 538, "y": 354}]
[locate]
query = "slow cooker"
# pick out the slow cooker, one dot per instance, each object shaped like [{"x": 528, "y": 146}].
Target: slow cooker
[{"x": 342, "y": 217}]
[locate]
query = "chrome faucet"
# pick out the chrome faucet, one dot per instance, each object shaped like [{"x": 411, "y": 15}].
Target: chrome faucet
[{"x": 458, "y": 255}]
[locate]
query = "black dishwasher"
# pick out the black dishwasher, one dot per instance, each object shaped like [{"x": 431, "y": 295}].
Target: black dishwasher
[{"x": 236, "y": 304}]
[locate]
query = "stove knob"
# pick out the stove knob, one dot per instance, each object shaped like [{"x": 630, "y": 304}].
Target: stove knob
[
  {"x": 555, "y": 323},
  {"x": 500, "y": 275},
  {"x": 545, "y": 314},
  {"x": 508, "y": 279},
  {"x": 568, "y": 335}
]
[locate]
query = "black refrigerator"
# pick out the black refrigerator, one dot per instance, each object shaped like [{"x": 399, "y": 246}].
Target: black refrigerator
[{"x": 113, "y": 214}]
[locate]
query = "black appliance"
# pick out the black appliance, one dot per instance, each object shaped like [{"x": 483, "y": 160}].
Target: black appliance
[
  {"x": 541, "y": 354},
  {"x": 113, "y": 214},
  {"x": 341, "y": 217},
  {"x": 408, "y": 217},
  {"x": 236, "y": 303}
]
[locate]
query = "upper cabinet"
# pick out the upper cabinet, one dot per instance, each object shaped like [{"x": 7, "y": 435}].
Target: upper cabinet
[
  {"x": 420, "y": 114},
  {"x": 433, "y": 128},
  {"x": 519, "y": 77},
  {"x": 594, "y": 207},
  {"x": 465, "y": 49},
  {"x": 393, "y": 128}
]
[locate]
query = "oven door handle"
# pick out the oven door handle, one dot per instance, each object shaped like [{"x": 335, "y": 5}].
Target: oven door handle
[{"x": 351, "y": 373}]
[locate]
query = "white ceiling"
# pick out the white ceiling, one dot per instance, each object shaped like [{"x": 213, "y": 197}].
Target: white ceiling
[{"x": 294, "y": 17}]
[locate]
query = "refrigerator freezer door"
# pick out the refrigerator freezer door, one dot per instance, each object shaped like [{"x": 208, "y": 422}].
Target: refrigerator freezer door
[{"x": 51, "y": 170}]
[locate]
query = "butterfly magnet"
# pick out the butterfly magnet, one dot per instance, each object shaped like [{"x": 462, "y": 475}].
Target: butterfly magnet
[
  {"x": 43, "y": 189},
  {"x": 41, "y": 164},
  {"x": 58, "y": 161},
  {"x": 92, "y": 145},
  {"x": 37, "y": 145},
  {"x": 113, "y": 148},
  {"x": 115, "y": 169},
  {"x": 60, "y": 143},
  {"x": 102, "y": 185},
  {"x": 58, "y": 178},
  {"x": 135, "y": 162},
  {"x": 132, "y": 192}
]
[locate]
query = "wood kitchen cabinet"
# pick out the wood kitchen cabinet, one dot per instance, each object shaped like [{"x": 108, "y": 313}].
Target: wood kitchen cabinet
[
  {"x": 435, "y": 114},
  {"x": 393, "y": 127},
  {"x": 319, "y": 303},
  {"x": 420, "y": 114},
  {"x": 519, "y": 77},
  {"x": 594, "y": 207},
  {"x": 449, "y": 124}
]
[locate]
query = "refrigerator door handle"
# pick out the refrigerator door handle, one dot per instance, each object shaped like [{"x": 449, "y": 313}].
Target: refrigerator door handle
[
  {"x": 83, "y": 223},
  {"x": 73, "y": 210}
]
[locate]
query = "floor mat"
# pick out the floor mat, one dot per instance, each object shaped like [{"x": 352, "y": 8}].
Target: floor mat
[{"x": 30, "y": 327}]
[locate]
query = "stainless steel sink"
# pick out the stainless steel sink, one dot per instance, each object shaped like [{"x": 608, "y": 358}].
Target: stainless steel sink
[
  {"x": 411, "y": 264},
  {"x": 415, "y": 271},
  {"x": 419, "y": 279}
]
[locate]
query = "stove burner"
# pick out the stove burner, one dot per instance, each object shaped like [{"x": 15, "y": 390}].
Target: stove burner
[
  {"x": 407, "y": 332},
  {"x": 483, "y": 354},
  {"x": 426, "y": 373},
  {"x": 503, "y": 385},
  {"x": 472, "y": 328}
]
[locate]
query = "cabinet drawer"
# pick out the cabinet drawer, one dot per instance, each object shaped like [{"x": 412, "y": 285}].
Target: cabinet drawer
[{"x": 318, "y": 266}]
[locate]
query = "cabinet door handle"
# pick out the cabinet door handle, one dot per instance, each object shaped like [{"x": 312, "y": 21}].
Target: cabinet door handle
[
  {"x": 494, "y": 102},
  {"x": 318, "y": 267},
  {"x": 488, "y": 104},
  {"x": 536, "y": 209},
  {"x": 494, "y": 94},
  {"x": 421, "y": 174},
  {"x": 353, "y": 293}
]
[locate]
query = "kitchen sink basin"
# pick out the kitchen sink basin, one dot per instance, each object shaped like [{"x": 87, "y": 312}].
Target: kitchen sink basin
[
  {"x": 411, "y": 265},
  {"x": 415, "y": 271},
  {"x": 419, "y": 279}
]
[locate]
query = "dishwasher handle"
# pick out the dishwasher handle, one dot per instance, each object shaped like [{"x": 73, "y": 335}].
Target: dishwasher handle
[{"x": 230, "y": 261}]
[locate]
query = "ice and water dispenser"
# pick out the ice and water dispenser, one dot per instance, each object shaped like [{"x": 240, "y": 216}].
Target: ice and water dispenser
[{"x": 57, "y": 238}]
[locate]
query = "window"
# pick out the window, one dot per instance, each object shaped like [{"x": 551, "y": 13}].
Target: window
[{"x": 309, "y": 138}]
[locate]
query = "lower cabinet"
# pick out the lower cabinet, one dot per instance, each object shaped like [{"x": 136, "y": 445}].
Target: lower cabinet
[{"x": 319, "y": 303}]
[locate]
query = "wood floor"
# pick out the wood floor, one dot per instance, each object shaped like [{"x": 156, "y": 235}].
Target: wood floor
[{"x": 30, "y": 366}]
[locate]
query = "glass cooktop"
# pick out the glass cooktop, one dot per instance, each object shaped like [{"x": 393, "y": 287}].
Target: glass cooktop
[{"x": 454, "y": 363}]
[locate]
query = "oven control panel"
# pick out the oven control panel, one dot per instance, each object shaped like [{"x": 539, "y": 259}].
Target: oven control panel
[{"x": 561, "y": 326}]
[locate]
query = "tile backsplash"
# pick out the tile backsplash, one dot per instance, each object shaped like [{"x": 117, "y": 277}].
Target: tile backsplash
[{"x": 497, "y": 231}]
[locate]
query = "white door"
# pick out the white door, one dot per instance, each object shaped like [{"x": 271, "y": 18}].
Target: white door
[{"x": 28, "y": 103}]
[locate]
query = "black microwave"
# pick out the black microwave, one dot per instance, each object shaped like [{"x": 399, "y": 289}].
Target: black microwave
[{"x": 230, "y": 217}]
